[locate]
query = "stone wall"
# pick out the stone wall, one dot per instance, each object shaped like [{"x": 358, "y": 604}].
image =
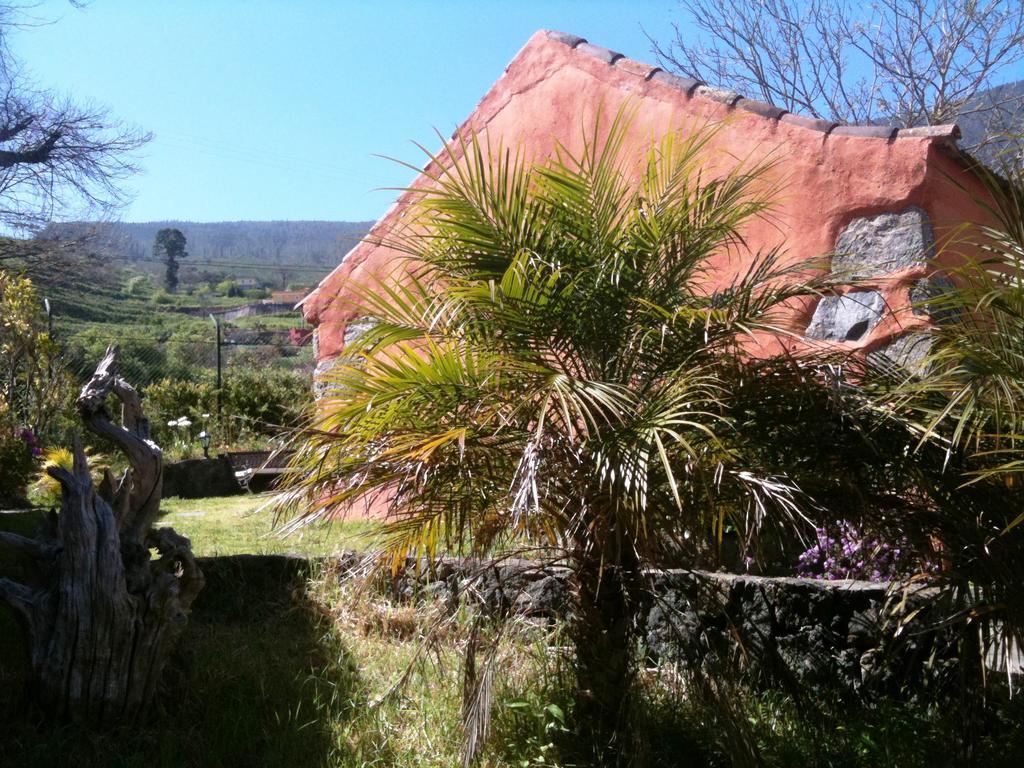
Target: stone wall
[
  {"x": 199, "y": 478},
  {"x": 794, "y": 634},
  {"x": 783, "y": 632}
]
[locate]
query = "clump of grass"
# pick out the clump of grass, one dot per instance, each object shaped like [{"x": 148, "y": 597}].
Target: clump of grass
[{"x": 411, "y": 656}]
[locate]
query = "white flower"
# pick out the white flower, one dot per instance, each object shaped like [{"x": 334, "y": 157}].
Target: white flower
[
  {"x": 172, "y": 423},
  {"x": 183, "y": 422}
]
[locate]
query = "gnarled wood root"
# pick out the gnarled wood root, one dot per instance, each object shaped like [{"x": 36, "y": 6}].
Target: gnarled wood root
[{"x": 101, "y": 613}]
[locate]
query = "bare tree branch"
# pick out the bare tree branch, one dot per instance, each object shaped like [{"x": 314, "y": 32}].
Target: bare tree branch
[
  {"x": 56, "y": 157},
  {"x": 900, "y": 62}
]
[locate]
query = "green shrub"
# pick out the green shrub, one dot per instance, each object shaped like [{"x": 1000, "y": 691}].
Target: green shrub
[
  {"x": 266, "y": 399},
  {"x": 17, "y": 465},
  {"x": 228, "y": 288},
  {"x": 142, "y": 360},
  {"x": 139, "y": 285},
  {"x": 253, "y": 402},
  {"x": 169, "y": 399}
]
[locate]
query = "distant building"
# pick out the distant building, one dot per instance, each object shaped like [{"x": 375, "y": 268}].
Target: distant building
[
  {"x": 287, "y": 297},
  {"x": 877, "y": 197}
]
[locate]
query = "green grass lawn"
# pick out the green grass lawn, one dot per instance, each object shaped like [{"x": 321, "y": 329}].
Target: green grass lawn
[
  {"x": 283, "y": 672},
  {"x": 234, "y": 525}
]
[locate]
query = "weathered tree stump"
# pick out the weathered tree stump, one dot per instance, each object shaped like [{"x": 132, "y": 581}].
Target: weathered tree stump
[{"x": 102, "y": 612}]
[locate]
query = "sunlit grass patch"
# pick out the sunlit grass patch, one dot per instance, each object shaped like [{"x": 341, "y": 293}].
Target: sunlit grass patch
[{"x": 245, "y": 524}]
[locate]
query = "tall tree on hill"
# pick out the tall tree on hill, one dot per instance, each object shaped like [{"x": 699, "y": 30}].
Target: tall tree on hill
[
  {"x": 904, "y": 62},
  {"x": 55, "y": 156},
  {"x": 168, "y": 247}
]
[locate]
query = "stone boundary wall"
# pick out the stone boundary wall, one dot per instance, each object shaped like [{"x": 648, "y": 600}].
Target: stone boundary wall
[
  {"x": 788, "y": 633},
  {"x": 200, "y": 478}
]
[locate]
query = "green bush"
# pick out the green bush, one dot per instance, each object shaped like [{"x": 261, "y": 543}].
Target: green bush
[
  {"x": 142, "y": 359},
  {"x": 139, "y": 285},
  {"x": 170, "y": 399},
  {"x": 228, "y": 288},
  {"x": 17, "y": 465},
  {"x": 266, "y": 399},
  {"x": 253, "y": 402}
]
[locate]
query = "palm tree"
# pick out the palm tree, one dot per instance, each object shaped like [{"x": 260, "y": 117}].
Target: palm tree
[
  {"x": 966, "y": 411},
  {"x": 555, "y": 371}
]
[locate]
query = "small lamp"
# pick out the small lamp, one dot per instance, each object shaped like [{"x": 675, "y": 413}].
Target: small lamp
[{"x": 204, "y": 440}]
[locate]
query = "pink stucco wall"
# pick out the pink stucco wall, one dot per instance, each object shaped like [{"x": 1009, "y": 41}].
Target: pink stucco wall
[{"x": 823, "y": 178}]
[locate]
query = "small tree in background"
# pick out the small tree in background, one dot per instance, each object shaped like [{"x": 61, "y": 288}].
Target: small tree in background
[
  {"x": 168, "y": 247},
  {"x": 34, "y": 386}
]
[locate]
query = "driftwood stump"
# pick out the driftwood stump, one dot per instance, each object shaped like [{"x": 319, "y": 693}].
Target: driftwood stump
[{"x": 101, "y": 610}]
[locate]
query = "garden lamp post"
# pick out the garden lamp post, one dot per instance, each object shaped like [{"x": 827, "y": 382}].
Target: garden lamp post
[{"x": 204, "y": 440}]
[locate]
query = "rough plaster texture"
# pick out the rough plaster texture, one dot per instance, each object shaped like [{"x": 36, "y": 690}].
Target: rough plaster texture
[{"x": 824, "y": 176}]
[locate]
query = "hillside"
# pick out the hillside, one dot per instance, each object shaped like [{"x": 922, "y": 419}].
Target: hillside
[
  {"x": 233, "y": 245},
  {"x": 95, "y": 300},
  {"x": 990, "y": 114}
]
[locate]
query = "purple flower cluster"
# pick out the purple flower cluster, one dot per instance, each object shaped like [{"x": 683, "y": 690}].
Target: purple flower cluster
[
  {"x": 845, "y": 552},
  {"x": 31, "y": 441}
]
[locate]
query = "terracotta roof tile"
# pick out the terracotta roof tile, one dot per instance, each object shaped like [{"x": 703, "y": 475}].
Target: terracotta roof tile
[
  {"x": 813, "y": 123},
  {"x": 693, "y": 88},
  {"x": 729, "y": 98},
  {"x": 685, "y": 84},
  {"x": 866, "y": 131},
  {"x": 930, "y": 131},
  {"x": 564, "y": 37},
  {"x": 638, "y": 68},
  {"x": 605, "y": 55},
  {"x": 762, "y": 108}
]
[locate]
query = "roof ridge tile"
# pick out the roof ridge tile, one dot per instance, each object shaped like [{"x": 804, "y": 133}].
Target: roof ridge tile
[
  {"x": 811, "y": 123},
  {"x": 606, "y": 55},
  {"x": 762, "y": 108},
  {"x": 685, "y": 84},
  {"x": 866, "y": 131},
  {"x": 565, "y": 38},
  {"x": 731, "y": 99},
  {"x": 638, "y": 68}
]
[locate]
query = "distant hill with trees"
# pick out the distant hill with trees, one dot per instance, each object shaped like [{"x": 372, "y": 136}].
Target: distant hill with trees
[
  {"x": 993, "y": 122},
  {"x": 222, "y": 243}
]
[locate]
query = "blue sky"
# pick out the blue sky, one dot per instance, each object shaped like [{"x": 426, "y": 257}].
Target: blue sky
[{"x": 276, "y": 110}]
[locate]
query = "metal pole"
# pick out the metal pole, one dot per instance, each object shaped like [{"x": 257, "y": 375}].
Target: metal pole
[
  {"x": 216, "y": 325},
  {"x": 49, "y": 330}
]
